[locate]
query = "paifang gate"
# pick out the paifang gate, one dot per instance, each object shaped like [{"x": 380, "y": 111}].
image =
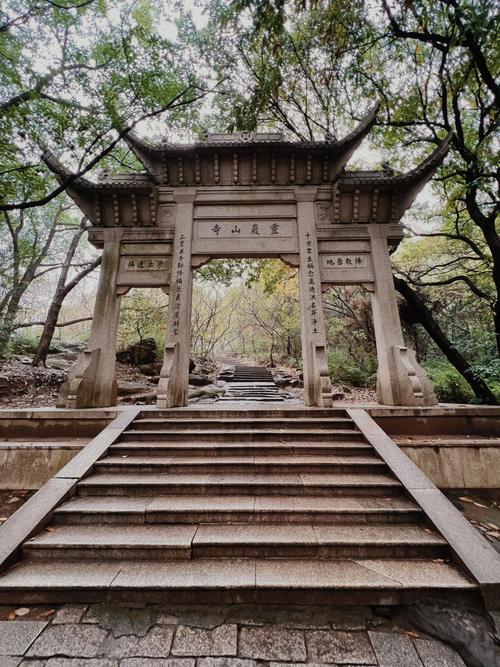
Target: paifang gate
[{"x": 247, "y": 195}]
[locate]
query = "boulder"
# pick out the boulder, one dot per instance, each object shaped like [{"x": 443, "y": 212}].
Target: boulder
[
  {"x": 210, "y": 391},
  {"x": 143, "y": 351},
  {"x": 61, "y": 361},
  {"x": 141, "y": 398},
  {"x": 199, "y": 380},
  {"x": 125, "y": 387},
  {"x": 337, "y": 394},
  {"x": 152, "y": 370}
]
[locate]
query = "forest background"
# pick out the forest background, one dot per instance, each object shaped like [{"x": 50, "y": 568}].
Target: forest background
[{"x": 76, "y": 75}]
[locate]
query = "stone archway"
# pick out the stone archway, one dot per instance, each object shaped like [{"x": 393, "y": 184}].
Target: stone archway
[{"x": 255, "y": 196}]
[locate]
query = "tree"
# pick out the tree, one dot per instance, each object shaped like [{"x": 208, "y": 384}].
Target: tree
[
  {"x": 452, "y": 83},
  {"x": 294, "y": 66},
  {"x": 106, "y": 68},
  {"x": 63, "y": 288},
  {"x": 27, "y": 242}
]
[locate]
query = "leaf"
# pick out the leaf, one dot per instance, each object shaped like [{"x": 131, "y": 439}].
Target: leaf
[
  {"x": 46, "y": 613},
  {"x": 22, "y": 611}
]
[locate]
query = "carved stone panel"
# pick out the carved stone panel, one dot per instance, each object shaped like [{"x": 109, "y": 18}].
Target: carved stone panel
[
  {"x": 144, "y": 265},
  {"x": 345, "y": 263},
  {"x": 239, "y": 236}
]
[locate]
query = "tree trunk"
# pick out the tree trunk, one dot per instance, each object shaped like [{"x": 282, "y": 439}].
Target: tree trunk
[
  {"x": 60, "y": 294},
  {"x": 426, "y": 318}
]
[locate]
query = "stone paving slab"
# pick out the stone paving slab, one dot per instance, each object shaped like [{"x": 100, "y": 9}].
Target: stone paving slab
[
  {"x": 11, "y": 662},
  {"x": 78, "y": 662},
  {"x": 158, "y": 662},
  {"x": 435, "y": 654},
  {"x": 71, "y": 640},
  {"x": 273, "y": 643},
  {"x": 155, "y": 644},
  {"x": 337, "y": 646},
  {"x": 16, "y": 638},
  {"x": 394, "y": 650},
  {"x": 225, "y": 662},
  {"x": 222, "y": 640},
  {"x": 104, "y": 635}
]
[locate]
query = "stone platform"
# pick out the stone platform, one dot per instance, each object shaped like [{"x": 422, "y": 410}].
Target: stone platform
[{"x": 456, "y": 446}]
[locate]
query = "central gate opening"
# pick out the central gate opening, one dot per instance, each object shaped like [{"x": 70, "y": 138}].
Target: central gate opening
[{"x": 246, "y": 329}]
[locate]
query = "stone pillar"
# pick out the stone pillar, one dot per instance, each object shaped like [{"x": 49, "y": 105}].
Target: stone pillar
[
  {"x": 174, "y": 376},
  {"x": 92, "y": 381},
  {"x": 317, "y": 384},
  {"x": 400, "y": 379}
]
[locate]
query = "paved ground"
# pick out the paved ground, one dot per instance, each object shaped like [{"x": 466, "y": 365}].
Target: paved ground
[{"x": 102, "y": 636}]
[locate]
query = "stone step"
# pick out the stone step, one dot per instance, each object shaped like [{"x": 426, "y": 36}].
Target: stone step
[
  {"x": 168, "y": 542},
  {"x": 234, "y": 413},
  {"x": 253, "y": 435},
  {"x": 248, "y": 391},
  {"x": 236, "y": 398},
  {"x": 250, "y": 464},
  {"x": 244, "y": 581},
  {"x": 136, "y": 484},
  {"x": 317, "y": 541},
  {"x": 122, "y": 542},
  {"x": 236, "y": 508},
  {"x": 152, "y": 423},
  {"x": 152, "y": 448}
]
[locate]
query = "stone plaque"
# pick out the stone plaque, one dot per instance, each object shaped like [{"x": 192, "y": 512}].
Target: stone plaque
[
  {"x": 144, "y": 271},
  {"x": 346, "y": 268},
  {"x": 245, "y": 236},
  {"x": 345, "y": 260},
  {"x": 246, "y": 229}
]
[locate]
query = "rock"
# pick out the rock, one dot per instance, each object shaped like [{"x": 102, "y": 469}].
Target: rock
[
  {"x": 59, "y": 346},
  {"x": 125, "y": 387},
  {"x": 192, "y": 365},
  {"x": 296, "y": 382},
  {"x": 199, "y": 380},
  {"x": 467, "y": 631},
  {"x": 142, "y": 352},
  {"x": 151, "y": 370},
  {"x": 61, "y": 361},
  {"x": 63, "y": 356},
  {"x": 210, "y": 391}
]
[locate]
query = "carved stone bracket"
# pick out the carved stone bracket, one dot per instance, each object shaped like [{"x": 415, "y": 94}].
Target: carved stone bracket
[{"x": 78, "y": 390}]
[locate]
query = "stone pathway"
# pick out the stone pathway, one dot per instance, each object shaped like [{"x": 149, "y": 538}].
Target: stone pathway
[{"x": 236, "y": 636}]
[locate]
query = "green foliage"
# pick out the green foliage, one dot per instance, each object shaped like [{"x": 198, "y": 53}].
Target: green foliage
[
  {"x": 360, "y": 372},
  {"x": 70, "y": 76},
  {"x": 22, "y": 343},
  {"x": 449, "y": 385},
  {"x": 143, "y": 314}
]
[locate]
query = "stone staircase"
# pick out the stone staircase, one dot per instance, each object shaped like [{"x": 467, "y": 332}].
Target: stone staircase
[
  {"x": 252, "y": 383},
  {"x": 224, "y": 506}
]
